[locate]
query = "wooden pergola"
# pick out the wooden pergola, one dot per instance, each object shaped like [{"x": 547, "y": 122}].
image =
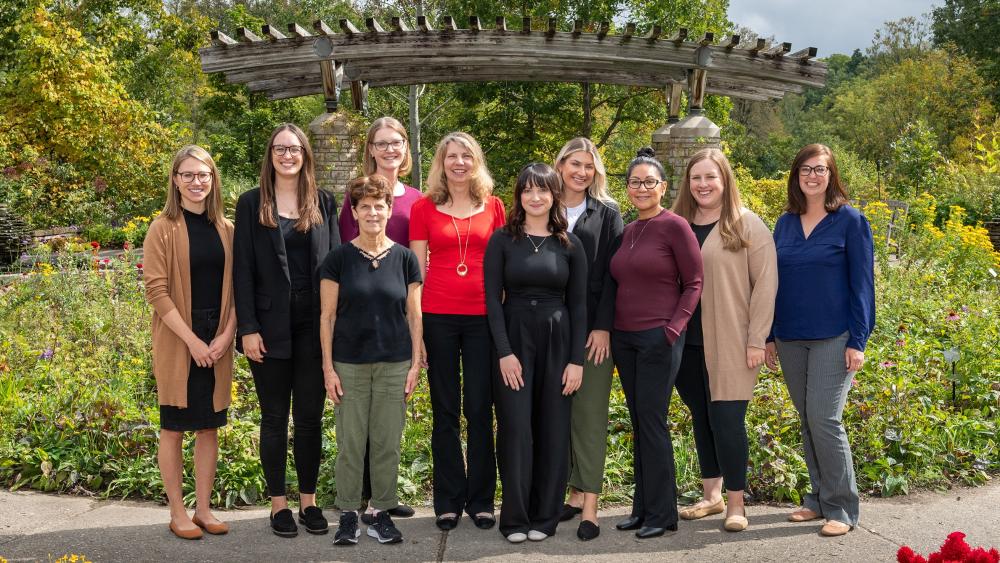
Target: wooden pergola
[{"x": 299, "y": 62}]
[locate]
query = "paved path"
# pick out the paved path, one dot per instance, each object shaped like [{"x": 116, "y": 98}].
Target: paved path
[{"x": 41, "y": 527}]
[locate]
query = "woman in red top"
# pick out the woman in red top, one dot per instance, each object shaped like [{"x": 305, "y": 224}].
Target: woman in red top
[{"x": 449, "y": 230}]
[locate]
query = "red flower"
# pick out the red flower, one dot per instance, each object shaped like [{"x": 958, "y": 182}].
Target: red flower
[
  {"x": 139, "y": 265},
  {"x": 906, "y": 555},
  {"x": 94, "y": 244},
  {"x": 955, "y": 548},
  {"x": 127, "y": 245}
]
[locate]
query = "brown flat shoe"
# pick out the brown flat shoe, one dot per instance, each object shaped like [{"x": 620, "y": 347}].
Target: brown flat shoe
[
  {"x": 194, "y": 534},
  {"x": 694, "y": 513},
  {"x": 833, "y": 528},
  {"x": 214, "y": 529},
  {"x": 803, "y": 515},
  {"x": 736, "y": 523}
]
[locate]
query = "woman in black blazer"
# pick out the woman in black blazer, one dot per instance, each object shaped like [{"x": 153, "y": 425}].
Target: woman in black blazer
[{"x": 284, "y": 230}]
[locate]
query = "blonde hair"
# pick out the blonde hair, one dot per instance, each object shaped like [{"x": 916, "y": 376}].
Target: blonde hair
[
  {"x": 370, "y": 165},
  {"x": 598, "y": 189},
  {"x": 306, "y": 192},
  {"x": 732, "y": 206},
  {"x": 480, "y": 181},
  {"x": 213, "y": 206}
]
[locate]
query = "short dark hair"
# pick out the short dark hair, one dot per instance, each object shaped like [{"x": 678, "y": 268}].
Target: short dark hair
[
  {"x": 835, "y": 193},
  {"x": 374, "y": 186}
]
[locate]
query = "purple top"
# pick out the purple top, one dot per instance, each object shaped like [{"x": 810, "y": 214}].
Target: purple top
[
  {"x": 657, "y": 272},
  {"x": 398, "y": 228}
]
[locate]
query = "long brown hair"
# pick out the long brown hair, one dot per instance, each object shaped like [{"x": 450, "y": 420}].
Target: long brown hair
[
  {"x": 480, "y": 181},
  {"x": 836, "y": 195},
  {"x": 732, "y": 206},
  {"x": 306, "y": 192},
  {"x": 538, "y": 175},
  {"x": 370, "y": 165},
  {"x": 213, "y": 207}
]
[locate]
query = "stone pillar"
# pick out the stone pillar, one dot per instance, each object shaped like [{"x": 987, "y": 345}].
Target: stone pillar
[{"x": 336, "y": 141}]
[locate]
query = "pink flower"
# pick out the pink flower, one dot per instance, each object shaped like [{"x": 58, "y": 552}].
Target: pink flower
[
  {"x": 900, "y": 342},
  {"x": 952, "y": 316},
  {"x": 887, "y": 364}
]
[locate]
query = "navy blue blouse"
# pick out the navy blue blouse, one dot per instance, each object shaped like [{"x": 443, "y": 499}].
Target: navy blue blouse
[{"x": 826, "y": 283}]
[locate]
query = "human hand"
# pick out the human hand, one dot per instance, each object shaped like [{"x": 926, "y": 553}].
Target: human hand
[
  {"x": 219, "y": 345},
  {"x": 334, "y": 390},
  {"x": 253, "y": 347},
  {"x": 755, "y": 357},
  {"x": 853, "y": 359},
  {"x": 200, "y": 353},
  {"x": 771, "y": 356},
  {"x": 412, "y": 378},
  {"x": 598, "y": 346},
  {"x": 510, "y": 370},
  {"x": 572, "y": 378}
]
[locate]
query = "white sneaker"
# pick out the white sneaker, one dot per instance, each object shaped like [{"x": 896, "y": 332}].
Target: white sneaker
[
  {"x": 517, "y": 537},
  {"x": 535, "y": 535}
]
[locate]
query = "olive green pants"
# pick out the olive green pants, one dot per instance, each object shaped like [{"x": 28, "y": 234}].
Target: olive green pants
[
  {"x": 589, "y": 427},
  {"x": 372, "y": 410}
]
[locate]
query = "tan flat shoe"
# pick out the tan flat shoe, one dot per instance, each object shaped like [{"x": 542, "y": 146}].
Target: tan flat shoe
[
  {"x": 216, "y": 529},
  {"x": 696, "y": 512},
  {"x": 194, "y": 534},
  {"x": 833, "y": 528},
  {"x": 736, "y": 523},
  {"x": 803, "y": 515}
]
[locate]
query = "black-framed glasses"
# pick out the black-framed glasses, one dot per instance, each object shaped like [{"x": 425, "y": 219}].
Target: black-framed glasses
[
  {"x": 386, "y": 145},
  {"x": 280, "y": 150},
  {"x": 819, "y": 169},
  {"x": 188, "y": 177},
  {"x": 648, "y": 183}
]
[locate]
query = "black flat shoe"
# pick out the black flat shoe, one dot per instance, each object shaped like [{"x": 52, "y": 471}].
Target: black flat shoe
[
  {"x": 484, "y": 522},
  {"x": 446, "y": 523},
  {"x": 569, "y": 512},
  {"x": 401, "y": 511},
  {"x": 283, "y": 524},
  {"x": 630, "y": 523},
  {"x": 588, "y": 530},
  {"x": 649, "y": 532},
  {"x": 312, "y": 518}
]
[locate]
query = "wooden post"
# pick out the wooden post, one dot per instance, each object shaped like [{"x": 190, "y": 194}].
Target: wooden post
[
  {"x": 674, "y": 92},
  {"x": 697, "y": 79}
]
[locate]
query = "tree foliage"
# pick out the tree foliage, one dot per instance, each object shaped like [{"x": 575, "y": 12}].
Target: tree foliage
[{"x": 973, "y": 26}]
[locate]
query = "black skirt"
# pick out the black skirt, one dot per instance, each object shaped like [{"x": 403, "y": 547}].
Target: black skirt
[{"x": 200, "y": 413}]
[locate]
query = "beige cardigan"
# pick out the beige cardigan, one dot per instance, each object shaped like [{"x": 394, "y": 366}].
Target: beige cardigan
[
  {"x": 167, "y": 276},
  {"x": 737, "y": 307}
]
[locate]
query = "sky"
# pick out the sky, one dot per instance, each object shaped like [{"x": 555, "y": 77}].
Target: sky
[{"x": 831, "y": 26}]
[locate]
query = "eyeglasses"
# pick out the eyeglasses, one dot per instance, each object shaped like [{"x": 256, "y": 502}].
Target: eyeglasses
[
  {"x": 648, "y": 183},
  {"x": 188, "y": 177},
  {"x": 819, "y": 169},
  {"x": 280, "y": 150},
  {"x": 386, "y": 145}
]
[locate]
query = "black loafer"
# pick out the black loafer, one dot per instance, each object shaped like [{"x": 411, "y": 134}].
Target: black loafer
[
  {"x": 401, "y": 511},
  {"x": 283, "y": 524},
  {"x": 569, "y": 512},
  {"x": 484, "y": 522},
  {"x": 312, "y": 518},
  {"x": 652, "y": 531},
  {"x": 588, "y": 530},
  {"x": 630, "y": 523},
  {"x": 446, "y": 523}
]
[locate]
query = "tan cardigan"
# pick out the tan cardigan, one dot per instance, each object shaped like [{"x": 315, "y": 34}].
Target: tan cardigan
[
  {"x": 737, "y": 307},
  {"x": 166, "y": 273}
]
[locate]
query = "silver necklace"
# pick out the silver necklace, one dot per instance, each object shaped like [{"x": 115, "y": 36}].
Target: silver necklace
[
  {"x": 539, "y": 245},
  {"x": 462, "y": 270},
  {"x": 374, "y": 258},
  {"x": 635, "y": 238}
]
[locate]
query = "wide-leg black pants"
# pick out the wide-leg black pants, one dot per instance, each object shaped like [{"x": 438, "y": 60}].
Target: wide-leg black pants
[
  {"x": 647, "y": 365},
  {"x": 533, "y": 422}
]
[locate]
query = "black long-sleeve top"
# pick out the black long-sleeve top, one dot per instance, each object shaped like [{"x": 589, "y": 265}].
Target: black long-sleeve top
[
  {"x": 208, "y": 261},
  {"x": 513, "y": 270},
  {"x": 598, "y": 228}
]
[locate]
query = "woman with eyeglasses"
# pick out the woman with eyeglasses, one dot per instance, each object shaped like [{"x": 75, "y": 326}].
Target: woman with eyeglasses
[
  {"x": 386, "y": 155},
  {"x": 652, "y": 289},
  {"x": 823, "y": 315},
  {"x": 188, "y": 255},
  {"x": 284, "y": 230}
]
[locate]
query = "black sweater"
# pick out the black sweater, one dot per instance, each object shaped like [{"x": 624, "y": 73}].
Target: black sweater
[{"x": 599, "y": 226}]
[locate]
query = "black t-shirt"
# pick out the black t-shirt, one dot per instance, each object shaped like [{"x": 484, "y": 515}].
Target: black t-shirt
[
  {"x": 695, "y": 336},
  {"x": 297, "y": 250},
  {"x": 371, "y": 308},
  {"x": 207, "y": 260}
]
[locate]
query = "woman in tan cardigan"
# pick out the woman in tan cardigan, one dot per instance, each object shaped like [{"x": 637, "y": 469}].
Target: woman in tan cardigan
[
  {"x": 188, "y": 276},
  {"x": 724, "y": 348}
]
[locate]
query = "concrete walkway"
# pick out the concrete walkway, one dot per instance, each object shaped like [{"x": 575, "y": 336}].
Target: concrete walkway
[{"x": 41, "y": 527}]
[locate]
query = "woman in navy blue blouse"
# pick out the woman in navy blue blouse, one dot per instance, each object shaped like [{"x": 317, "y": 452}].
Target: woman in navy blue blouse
[{"x": 823, "y": 315}]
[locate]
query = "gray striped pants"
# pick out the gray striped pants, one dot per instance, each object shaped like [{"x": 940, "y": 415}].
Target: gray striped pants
[{"x": 818, "y": 382}]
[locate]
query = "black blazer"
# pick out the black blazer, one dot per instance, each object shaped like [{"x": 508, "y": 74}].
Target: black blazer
[
  {"x": 597, "y": 228},
  {"x": 262, "y": 284}
]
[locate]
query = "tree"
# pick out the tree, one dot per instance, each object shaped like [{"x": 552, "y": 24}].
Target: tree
[{"x": 973, "y": 26}]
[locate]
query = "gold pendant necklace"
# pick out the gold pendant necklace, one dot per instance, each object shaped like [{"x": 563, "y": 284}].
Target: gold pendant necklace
[{"x": 462, "y": 270}]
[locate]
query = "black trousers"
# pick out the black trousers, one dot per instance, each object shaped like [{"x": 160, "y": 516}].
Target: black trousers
[
  {"x": 720, "y": 432},
  {"x": 461, "y": 368},
  {"x": 533, "y": 422},
  {"x": 294, "y": 384},
  {"x": 647, "y": 365}
]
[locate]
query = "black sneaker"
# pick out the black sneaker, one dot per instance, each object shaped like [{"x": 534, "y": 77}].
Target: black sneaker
[
  {"x": 312, "y": 518},
  {"x": 348, "y": 532},
  {"x": 401, "y": 511},
  {"x": 383, "y": 529},
  {"x": 283, "y": 524}
]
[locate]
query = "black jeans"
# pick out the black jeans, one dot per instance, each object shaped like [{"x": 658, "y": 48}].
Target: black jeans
[
  {"x": 461, "y": 369},
  {"x": 647, "y": 365},
  {"x": 720, "y": 433},
  {"x": 294, "y": 384}
]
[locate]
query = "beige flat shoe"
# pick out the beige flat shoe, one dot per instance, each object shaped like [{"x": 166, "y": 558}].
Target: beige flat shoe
[
  {"x": 696, "y": 512},
  {"x": 833, "y": 528},
  {"x": 736, "y": 523},
  {"x": 803, "y": 515}
]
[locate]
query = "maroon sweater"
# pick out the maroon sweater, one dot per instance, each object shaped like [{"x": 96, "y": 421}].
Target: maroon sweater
[{"x": 655, "y": 276}]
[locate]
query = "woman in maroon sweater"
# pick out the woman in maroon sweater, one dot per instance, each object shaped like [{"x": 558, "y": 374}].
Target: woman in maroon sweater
[{"x": 653, "y": 288}]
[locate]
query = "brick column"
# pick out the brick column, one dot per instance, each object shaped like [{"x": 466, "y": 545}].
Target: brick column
[
  {"x": 336, "y": 141},
  {"x": 674, "y": 144}
]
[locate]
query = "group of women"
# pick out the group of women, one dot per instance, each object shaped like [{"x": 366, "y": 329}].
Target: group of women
[{"x": 525, "y": 313}]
